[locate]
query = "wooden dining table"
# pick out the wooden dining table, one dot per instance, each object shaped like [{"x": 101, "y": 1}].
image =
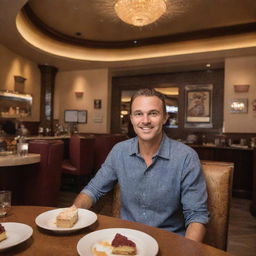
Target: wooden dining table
[{"x": 45, "y": 242}]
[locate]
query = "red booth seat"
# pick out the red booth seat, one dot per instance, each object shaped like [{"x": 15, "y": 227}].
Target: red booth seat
[
  {"x": 103, "y": 145},
  {"x": 42, "y": 185},
  {"x": 77, "y": 169}
]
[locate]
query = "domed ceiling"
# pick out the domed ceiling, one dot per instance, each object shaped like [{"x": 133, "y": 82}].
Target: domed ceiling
[
  {"x": 95, "y": 23},
  {"x": 89, "y": 34}
]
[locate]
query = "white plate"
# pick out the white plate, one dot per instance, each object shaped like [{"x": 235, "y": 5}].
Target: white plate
[
  {"x": 16, "y": 234},
  {"x": 47, "y": 220},
  {"x": 146, "y": 244}
]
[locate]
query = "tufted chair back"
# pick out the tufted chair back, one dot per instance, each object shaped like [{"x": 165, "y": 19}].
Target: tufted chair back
[
  {"x": 42, "y": 184},
  {"x": 218, "y": 176}
]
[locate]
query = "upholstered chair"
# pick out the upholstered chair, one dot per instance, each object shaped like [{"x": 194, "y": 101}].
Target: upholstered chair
[
  {"x": 78, "y": 168},
  {"x": 218, "y": 176},
  {"x": 42, "y": 183}
]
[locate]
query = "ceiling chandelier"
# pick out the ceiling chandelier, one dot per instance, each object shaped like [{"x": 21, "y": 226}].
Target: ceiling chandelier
[{"x": 140, "y": 12}]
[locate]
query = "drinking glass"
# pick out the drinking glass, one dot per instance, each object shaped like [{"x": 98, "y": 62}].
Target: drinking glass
[
  {"x": 5, "y": 202},
  {"x": 22, "y": 149}
]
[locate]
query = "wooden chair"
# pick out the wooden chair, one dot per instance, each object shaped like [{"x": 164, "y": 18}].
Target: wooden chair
[
  {"x": 77, "y": 169},
  {"x": 218, "y": 176}
]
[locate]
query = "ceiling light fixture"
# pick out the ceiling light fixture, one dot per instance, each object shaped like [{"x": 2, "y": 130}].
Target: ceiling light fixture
[{"x": 140, "y": 12}]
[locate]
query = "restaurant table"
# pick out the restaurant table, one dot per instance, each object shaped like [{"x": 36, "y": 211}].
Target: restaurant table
[
  {"x": 45, "y": 242},
  {"x": 15, "y": 160}
]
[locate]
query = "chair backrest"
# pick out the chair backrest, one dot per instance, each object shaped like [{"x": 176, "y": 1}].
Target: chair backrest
[
  {"x": 81, "y": 153},
  {"x": 218, "y": 176},
  {"x": 42, "y": 184}
]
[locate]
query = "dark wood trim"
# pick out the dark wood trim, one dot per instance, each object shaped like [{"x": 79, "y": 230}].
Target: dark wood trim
[
  {"x": 48, "y": 74},
  {"x": 179, "y": 79}
]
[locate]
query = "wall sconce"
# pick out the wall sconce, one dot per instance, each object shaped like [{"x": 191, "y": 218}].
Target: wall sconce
[
  {"x": 79, "y": 94},
  {"x": 19, "y": 79},
  {"x": 19, "y": 84},
  {"x": 241, "y": 87}
]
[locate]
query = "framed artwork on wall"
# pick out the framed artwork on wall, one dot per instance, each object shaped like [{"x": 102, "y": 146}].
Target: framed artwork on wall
[
  {"x": 70, "y": 116},
  {"x": 97, "y": 104},
  {"x": 75, "y": 116},
  {"x": 198, "y": 106},
  {"x": 82, "y": 116},
  {"x": 239, "y": 106}
]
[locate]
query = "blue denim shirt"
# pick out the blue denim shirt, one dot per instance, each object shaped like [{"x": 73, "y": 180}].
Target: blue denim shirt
[{"x": 169, "y": 194}]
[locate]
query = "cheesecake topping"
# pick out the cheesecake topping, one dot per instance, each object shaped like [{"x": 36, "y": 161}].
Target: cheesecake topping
[{"x": 120, "y": 240}]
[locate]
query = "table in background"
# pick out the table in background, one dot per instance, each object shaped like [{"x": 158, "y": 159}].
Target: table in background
[
  {"x": 48, "y": 243},
  {"x": 15, "y": 160}
]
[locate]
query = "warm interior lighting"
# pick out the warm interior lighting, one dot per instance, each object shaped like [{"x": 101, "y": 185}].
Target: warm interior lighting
[
  {"x": 140, "y": 12},
  {"x": 79, "y": 94},
  {"x": 238, "y": 106},
  {"x": 124, "y": 112}
]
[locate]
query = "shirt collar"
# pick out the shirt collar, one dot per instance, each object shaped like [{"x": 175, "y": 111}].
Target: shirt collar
[{"x": 162, "y": 152}]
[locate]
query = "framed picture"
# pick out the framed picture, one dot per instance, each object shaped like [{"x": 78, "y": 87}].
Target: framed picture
[
  {"x": 75, "y": 116},
  {"x": 239, "y": 106},
  {"x": 198, "y": 109},
  {"x": 70, "y": 116},
  {"x": 97, "y": 104},
  {"x": 82, "y": 116}
]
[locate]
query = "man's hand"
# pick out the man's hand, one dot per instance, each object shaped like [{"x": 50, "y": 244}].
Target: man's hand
[{"x": 83, "y": 201}]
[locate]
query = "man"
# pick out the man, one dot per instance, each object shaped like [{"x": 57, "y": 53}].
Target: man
[{"x": 160, "y": 179}]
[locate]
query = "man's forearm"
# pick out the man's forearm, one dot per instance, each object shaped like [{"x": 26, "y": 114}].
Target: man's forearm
[
  {"x": 83, "y": 201},
  {"x": 195, "y": 231}
]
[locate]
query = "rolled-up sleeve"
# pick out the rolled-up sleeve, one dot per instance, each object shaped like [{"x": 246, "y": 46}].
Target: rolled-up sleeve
[
  {"x": 193, "y": 191},
  {"x": 103, "y": 181}
]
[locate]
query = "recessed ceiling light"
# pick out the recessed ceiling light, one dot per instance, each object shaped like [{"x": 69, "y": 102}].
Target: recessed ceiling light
[{"x": 208, "y": 65}]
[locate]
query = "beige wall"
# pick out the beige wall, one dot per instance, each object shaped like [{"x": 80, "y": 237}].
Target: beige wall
[
  {"x": 12, "y": 65},
  {"x": 240, "y": 70},
  {"x": 95, "y": 84}
]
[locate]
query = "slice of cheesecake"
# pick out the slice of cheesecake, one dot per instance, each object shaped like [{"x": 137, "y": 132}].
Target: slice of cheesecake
[
  {"x": 123, "y": 246},
  {"x": 3, "y": 235},
  {"x": 67, "y": 218}
]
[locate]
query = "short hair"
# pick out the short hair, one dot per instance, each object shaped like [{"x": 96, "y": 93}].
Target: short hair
[{"x": 148, "y": 92}]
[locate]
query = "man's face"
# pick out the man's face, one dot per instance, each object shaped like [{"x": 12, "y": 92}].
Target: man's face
[{"x": 147, "y": 117}]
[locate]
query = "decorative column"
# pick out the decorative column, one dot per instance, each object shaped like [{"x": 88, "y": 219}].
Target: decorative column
[{"x": 48, "y": 74}]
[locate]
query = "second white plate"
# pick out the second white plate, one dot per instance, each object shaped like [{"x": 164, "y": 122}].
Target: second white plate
[
  {"x": 146, "y": 244},
  {"x": 16, "y": 234},
  {"x": 47, "y": 220}
]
